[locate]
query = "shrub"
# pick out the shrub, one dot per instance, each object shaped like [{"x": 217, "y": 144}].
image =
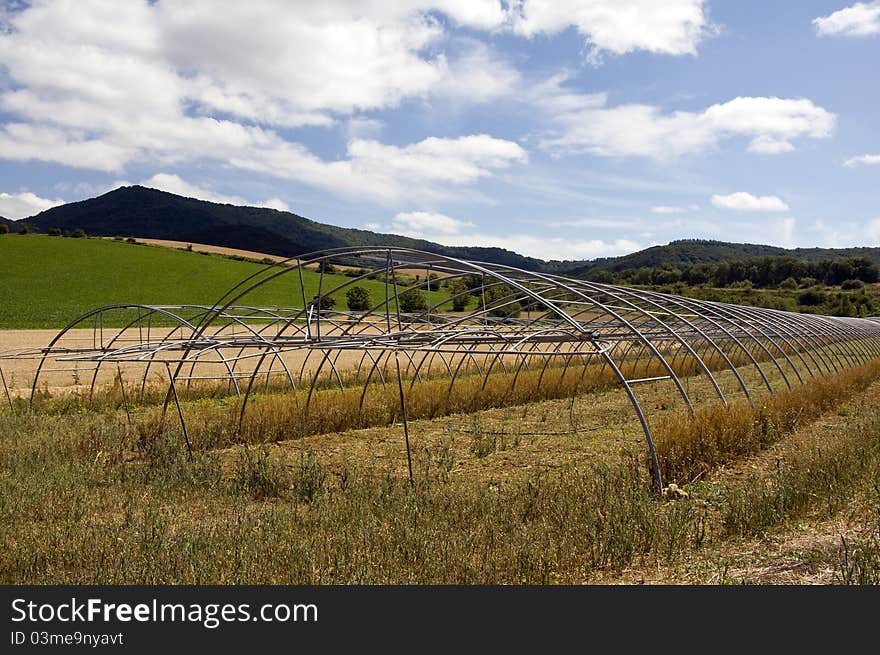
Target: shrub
[
  {"x": 811, "y": 297},
  {"x": 601, "y": 276},
  {"x": 131, "y": 240},
  {"x": 327, "y": 302},
  {"x": 413, "y": 301},
  {"x": 849, "y": 285},
  {"x": 23, "y": 229},
  {"x": 460, "y": 303},
  {"x": 78, "y": 233},
  {"x": 259, "y": 476},
  {"x": 358, "y": 299},
  {"x": 502, "y": 301},
  {"x": 54, "y": 232},
  {"x": 788, "y": 283}
]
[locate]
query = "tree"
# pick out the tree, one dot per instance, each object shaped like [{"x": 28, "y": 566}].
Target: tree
[
  {"x": 4, "y": 228},
  {"x": 54, "y": 232},
  {"x": 502, "y": 301},
  {"x": 458, "y": 289},
  {"x": 327, "y": 302},
  {"x": 78, "y": 233},
  {"x": 23, "y": 229},
  {"x": 788, "y": 283},
  {"x": 358, "y": 299},
  {"x": 849, "y": 285},
  {"x": 601, "y": 276},
  {"x": 412, "y": 301},
  {"x": 811, "y": 297}
]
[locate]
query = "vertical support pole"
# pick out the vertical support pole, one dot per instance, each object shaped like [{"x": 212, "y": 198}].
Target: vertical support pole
[
  {"x": 6, "y": 389},
  {"x": 124, "y": 396},
  {"x": 652, "y": 451},
  {"x": 179, "y": 409},
  {"x": 405, "y": 422}
]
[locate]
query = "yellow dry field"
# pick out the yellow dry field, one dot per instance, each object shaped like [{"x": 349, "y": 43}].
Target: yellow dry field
[{"x": 249, "y": 254}]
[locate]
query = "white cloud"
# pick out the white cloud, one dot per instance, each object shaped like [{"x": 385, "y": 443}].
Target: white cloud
[
  {"x": 276, "y": 203},
  {"x": 24, "y": 204},
  {"x": 383, "y": 172},
  {"x": 673, "y": 27},
  {"x": 477, "y": 75},
  {"x": 667, "y": 209},
  {"x": 746, "y": 202},
  {"x": 861, "y": 19},
  {"x": 769, "y": 145},
  {"x": 597, "y": 223},
  {"x": 585, "y": 124},
  {"x": 449, "y": 231},
  {"x": 181, "y": 81},
  {"x": 418, "y": 224},
  {"x": 852, "y": 162},
  {"x": 103, "y": 84},
  {"x": 177, "y": 185},
  {"x": 547, "y": 247},
  {"x": 360, "y": 127},
  {"x": 873, "y": 231}
]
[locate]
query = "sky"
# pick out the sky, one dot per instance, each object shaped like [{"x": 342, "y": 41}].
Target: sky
[{"x": 564, "y": 129}]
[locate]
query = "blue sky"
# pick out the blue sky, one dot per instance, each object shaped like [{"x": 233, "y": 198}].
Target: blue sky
[{"x": 563, "y": 130}]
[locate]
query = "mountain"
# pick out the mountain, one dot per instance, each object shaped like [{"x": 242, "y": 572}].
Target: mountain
[
  {"x": 148, "y": 213},
  {"x": 686, "y": 252}
]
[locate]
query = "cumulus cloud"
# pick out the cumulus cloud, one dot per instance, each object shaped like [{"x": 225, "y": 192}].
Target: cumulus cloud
[
  {"x": 104, "y": 84},
  {"x": 276, "y": 203},
  {"x": 384, "y": 172},
  {"x": 418, "y": 224},
  {"x": 440, "y": 228},
  {"x": 24, "y": 203},
  {"x": 861, "y": 19},
  {"x": 584, "y": 123},
  {"x": 177, "y": 185},
  {"x": 548, "y": 247},
  {"x": 746, "y": 202},
  {"x": 852, "y": 162},
  {"x": 672, "y": 27},
  {"x": 667, "y": 209}
]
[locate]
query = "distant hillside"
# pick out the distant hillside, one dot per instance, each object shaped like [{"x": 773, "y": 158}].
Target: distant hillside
[
  {"x": 76, "y": 275},
  {"x": 686, "y": 252},
  {"x": 141, "y": 212}
]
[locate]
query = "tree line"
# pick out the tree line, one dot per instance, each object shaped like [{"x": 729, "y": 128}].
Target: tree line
[{"x": 764, "y": 272}]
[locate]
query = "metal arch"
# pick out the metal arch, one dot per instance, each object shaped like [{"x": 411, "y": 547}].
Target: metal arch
[
  {"x": 48, "y": 350},
  {"x": 567, "y": 320}
]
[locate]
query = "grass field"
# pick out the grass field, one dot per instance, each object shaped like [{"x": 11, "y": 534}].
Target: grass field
[
  {"x": 49, "y": 281},
  {"x": 545, "y": 481},
  {"x": 543, "y": 492}
]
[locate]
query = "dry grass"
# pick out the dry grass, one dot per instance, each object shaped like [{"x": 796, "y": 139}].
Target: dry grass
[
  {"x": 689, "y": 447},
  {"x": 82, "y": 502}
]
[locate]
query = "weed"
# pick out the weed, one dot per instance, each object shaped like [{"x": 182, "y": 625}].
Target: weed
[
  {"x": 859, "y": 564},
  {"x": 260, "y": 477}
]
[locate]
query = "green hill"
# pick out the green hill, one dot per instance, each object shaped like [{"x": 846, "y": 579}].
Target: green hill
[
  {"x": 49, "y": 281},
  {"x": 686, "y": 252},
  {"x": 147, "y": 213}
]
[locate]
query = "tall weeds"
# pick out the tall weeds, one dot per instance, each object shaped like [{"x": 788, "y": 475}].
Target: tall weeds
[{"x": 688, "y": 447}]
